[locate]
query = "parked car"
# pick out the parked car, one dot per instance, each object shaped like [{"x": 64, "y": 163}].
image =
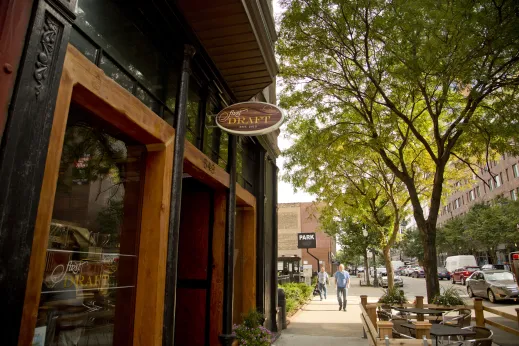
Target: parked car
[
  {"x": 454, "y": 262},
  {"x": 397, "y": 264},
  {"x": 407, "y": 271},
  {"x": 496, "y": 266},
  {"x": 400, "y": 270},
  {"x": 493, "y": 284},
  {"x": 443, "y": 273},
  {"x": 461, "y": 274},
  {"x": 418, "y": 272},
  {"x": 360, "y": 270},
  {"x": 381, "y": 270},
  {"x": 397, "y": 280}
]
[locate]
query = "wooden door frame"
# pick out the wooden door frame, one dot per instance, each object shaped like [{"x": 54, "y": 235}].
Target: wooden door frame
[{"x": 84, "y": 83}]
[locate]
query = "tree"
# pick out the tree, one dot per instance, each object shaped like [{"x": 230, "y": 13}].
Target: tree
[
  {"x": 411, "y": 244},
  {"x": 483, "y": 228},
  {"x": 354, "y": 238},
  {"x": 360, "y": 189},
  {"x": 347, "y": 257},
  {"x": 452, "y": 238},
  {"x": 413, "y": 82}
]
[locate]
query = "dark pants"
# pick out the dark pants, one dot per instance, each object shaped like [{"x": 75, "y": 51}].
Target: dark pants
[
  {"x": 342, "y": 293},
  {"x": 322, "y": 288}
]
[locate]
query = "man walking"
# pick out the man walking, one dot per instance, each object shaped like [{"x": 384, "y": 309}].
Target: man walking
[
  {"x": 342, "y": 282},
  {"x": 322, "y": 277}
]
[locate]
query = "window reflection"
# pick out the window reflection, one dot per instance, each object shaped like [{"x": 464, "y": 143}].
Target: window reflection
[
  {"x": 116, "y": 36},
  {"x": 107, "y": 22},
  {"x": 193, "y": 102},
  {"x": 89, "y": 281}
]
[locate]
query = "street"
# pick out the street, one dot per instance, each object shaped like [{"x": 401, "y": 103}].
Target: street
[{"x": 416, "y": 287}]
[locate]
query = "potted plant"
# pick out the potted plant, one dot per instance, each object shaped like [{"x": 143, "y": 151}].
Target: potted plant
[
  {"x": 449, "y": 297},
  {"x": 251, "y": 332},
  {"x": 392, "y": 297}
]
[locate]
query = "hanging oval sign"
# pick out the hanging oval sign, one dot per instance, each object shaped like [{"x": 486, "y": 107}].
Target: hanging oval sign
[{"x": 250, "y": 118}]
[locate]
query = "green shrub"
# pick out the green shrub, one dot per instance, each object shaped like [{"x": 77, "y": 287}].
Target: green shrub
[
  {"x": 450, "y": 296},
  {"x": 314, "y": 280},
  {"x": 291, "y": 305},
  {"x": 393, "y": 296},
  {"x": 296, "y": 294}
]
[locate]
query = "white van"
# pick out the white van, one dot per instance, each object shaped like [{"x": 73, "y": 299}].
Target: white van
[{"x": 454, "y": 262}]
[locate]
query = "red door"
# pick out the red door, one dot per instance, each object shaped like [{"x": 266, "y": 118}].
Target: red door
[{"x": 194, "y": 263}]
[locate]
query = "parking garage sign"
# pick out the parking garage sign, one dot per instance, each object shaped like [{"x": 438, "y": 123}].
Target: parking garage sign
[{"x": 306, "y": 241}]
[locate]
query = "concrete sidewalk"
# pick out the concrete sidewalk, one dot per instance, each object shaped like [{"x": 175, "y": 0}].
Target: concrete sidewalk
[{"x": 321, "y": 323}]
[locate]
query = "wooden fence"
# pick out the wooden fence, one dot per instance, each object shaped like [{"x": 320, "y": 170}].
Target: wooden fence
[
  {"x": 380, "y": 333},
  {"x": 481, "y": 321}
]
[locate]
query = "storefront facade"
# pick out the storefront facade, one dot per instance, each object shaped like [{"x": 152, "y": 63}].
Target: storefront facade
[{"x": 127, "y": 216}]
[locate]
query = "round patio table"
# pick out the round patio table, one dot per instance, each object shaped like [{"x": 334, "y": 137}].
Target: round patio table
[
  {"x": 443, "y": 330},
  {"x": 420, "y": 311}
]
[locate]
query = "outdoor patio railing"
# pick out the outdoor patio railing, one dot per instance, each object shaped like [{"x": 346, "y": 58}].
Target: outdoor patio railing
[{"x": 380, "y": 333}]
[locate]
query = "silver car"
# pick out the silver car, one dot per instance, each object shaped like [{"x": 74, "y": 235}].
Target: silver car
[
  {"x": 397, "y": 280},
  {"x": 492, "y": 284}
]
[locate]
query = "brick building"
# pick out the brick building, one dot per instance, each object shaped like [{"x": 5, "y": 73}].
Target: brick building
[
  {"x": 502, "y": 180},
  {"x": 294, "y": 218}
]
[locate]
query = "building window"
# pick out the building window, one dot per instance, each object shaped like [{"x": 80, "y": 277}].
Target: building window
[
  {"x": 490, "y": 185},
  {"x": 215, "y": 140},
  {"x": 193, "y": 104},
  {"x": 513, "y": 195},
  {"x": 477, "y": 191},
  {"x": 472, "y": 195},
  {"x": 457, "y": 203},
  {"x": 515, "y": 168},
  {"x": 497, "y": 180},
  {"x": 105, "y": 33}
]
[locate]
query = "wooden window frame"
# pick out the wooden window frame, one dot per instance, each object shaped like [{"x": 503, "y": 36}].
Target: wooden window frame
[{"x": 85, "y": 84}]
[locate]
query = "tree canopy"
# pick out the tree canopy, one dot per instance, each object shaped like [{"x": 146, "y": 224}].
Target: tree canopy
[
  {"x": 483, "y": 228},
  {"x": 412, "y": 82}
]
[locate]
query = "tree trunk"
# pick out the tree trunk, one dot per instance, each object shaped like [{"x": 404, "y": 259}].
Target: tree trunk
[
  {"x": 387, "y": 249},
  {"x": 389, "y": 267},
  {"x": 430, "y": 261},
  {"x": 366, "y": 266},
  {"x": 375, "y": 278}
]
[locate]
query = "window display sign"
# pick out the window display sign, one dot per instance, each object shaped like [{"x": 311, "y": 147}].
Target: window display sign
[
  {"x": 250, "y": 118},
  {"x": 306, "y": 241}
]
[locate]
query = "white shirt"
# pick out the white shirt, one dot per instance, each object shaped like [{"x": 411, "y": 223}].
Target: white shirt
[{"x": 323, "y": 277}]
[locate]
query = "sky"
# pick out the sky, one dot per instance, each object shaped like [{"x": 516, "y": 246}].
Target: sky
[{"x": 286, "y": 192}]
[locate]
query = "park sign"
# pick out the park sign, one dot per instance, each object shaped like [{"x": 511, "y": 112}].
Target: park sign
[
  {"x": 250, "y": 118},
  {"x": 306, "y": 241}
]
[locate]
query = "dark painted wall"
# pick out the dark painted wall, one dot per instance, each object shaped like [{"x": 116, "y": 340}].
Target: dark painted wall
[{"x": 24, "y": 150}]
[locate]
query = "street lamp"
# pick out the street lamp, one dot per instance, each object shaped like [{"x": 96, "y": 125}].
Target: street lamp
[{"x": 366, "y": 270}]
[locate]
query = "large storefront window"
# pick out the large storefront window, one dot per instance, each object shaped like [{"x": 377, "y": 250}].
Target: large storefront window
[
  {"x": 107, "y": 35},
  {"x": 215, "y": 140},
  {"x": 247, "y": 167},
  {"x": 89, "y": 283},
  {"x": 193, "y": 104}
]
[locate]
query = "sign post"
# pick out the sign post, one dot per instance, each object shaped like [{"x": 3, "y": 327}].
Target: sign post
[{"x": 307, "y": 241}]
